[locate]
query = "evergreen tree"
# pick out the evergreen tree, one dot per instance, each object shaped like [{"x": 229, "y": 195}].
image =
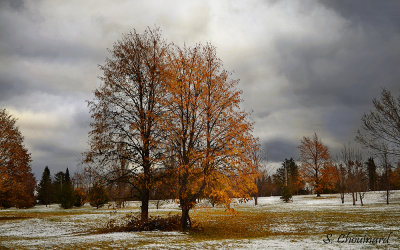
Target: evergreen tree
[
  {"x": 288, "y": 176},
  {"x": 67, "y": 177},
  {"x": 45, "y": 188},
  {"x": 286, "y": 194},
  {"x": 372, "y": 175},
  {"x": 59, "y": 180},
  {"x": 67, "y": 192},
  {"x": 64, "y": 189}
]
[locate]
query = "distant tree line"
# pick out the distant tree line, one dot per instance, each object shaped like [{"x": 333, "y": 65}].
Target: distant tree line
[
  {"x": 349, "y": 173},
  {"x": 61, "y": 190},
  {"x": 351, "y": 176}
]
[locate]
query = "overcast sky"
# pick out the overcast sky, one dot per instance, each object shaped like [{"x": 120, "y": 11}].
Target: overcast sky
[{"x": 304, "y": 66}]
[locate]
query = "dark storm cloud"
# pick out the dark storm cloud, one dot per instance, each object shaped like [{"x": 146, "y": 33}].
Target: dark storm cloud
[
  {"x": 57, "y": 158},
  {"x": 279, "y": 149},
  {"x": 324, "y": 79},
  {"x": 304, "y": 66},
  {"x": 382, "y": 14},
  {"x": 54, "y": 149},
  {"x": 345, "y": 75},
  {"x": 335, "y": 73}
]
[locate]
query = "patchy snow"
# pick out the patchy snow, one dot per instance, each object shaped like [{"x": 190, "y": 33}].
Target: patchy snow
[
  {"x": 54, "y": 227},
  {"x": 331, "y": 201}
]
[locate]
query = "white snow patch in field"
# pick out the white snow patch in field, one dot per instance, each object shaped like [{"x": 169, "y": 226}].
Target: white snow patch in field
[
  {"x": 331, "y": 201},
  {"x": 283, "y": 228},
  {"x": 73, "y": 227}
]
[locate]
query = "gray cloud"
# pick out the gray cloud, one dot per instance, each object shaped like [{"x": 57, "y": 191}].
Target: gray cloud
[
  {"x": 279, "y": 149},
  {"x": 369, "y": 13},
  {"x": 9, "y": 87},
  {"x": 304, "y": 67},
  {"x": 13, "y": 4}
]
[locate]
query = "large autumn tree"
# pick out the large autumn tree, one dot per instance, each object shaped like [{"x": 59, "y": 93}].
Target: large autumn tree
[
  {"x": 172, "y": 113},
  {"x": 314, "y": 157},
  {"x": 209, "y": 136},
  {"x": 127, "y": 113},
  {"x": 17, "y": 183}
]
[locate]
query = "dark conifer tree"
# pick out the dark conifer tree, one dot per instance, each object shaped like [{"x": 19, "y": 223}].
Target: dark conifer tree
[
  {"x": 288, "y": 176},
  {"x": 372, "y": 175},
  {"x": 67, "y": 200},
  {"x": 45, "y": 188},
  {"x": 59, "y": 180}
]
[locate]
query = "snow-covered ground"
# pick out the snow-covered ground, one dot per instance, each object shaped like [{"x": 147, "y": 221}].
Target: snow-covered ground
[{"x": 53, "y": 227}]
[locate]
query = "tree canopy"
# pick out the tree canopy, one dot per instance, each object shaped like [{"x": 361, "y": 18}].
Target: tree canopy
[
  {"x": 314, "y": 157},
  {"x": 17, "y": 183},
  {"x": 166, "y": 111},
  {"x": 127, "y": 112},
  {"x": 380, "y": 130}
]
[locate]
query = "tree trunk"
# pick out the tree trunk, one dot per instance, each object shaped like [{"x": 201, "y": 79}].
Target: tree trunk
[
  {"x": 317, "y": 188},
  {"x": 342, "y": 197},
  {"x": 387, "y": 196},
  {"x": 145, "y": 205},
  {"x": 361, "y": 199},
  {"x": 387, "y": 177},
  {"x": 255, "y": 200},
  {"x": 145, "y": 197},
  {"x": 354, "y": 198},
  {"x": 186, "y": 224}
]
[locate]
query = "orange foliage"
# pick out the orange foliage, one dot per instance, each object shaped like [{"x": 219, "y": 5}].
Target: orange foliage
[
  {"x": 80, "y": 197},
  {"x": 209, "y": 135},
  {"x": 395, "y": 177},
  {"x": 17, "y": 182},
  {"x": 330, "y": 177},
  {"x": 314, "y": 156},
  {"x": 175, "y": 113}
]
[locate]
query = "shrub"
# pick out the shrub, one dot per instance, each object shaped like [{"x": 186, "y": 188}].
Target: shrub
[
  {"x": 97, "y": 196},
  {"x": 286, "y": 194},
  {"x": 133, "y": 222},
  {"x": 80, "y": 197}
]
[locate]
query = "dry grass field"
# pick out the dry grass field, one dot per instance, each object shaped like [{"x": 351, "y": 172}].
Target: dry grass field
[{"x": 306, "y": 223}]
